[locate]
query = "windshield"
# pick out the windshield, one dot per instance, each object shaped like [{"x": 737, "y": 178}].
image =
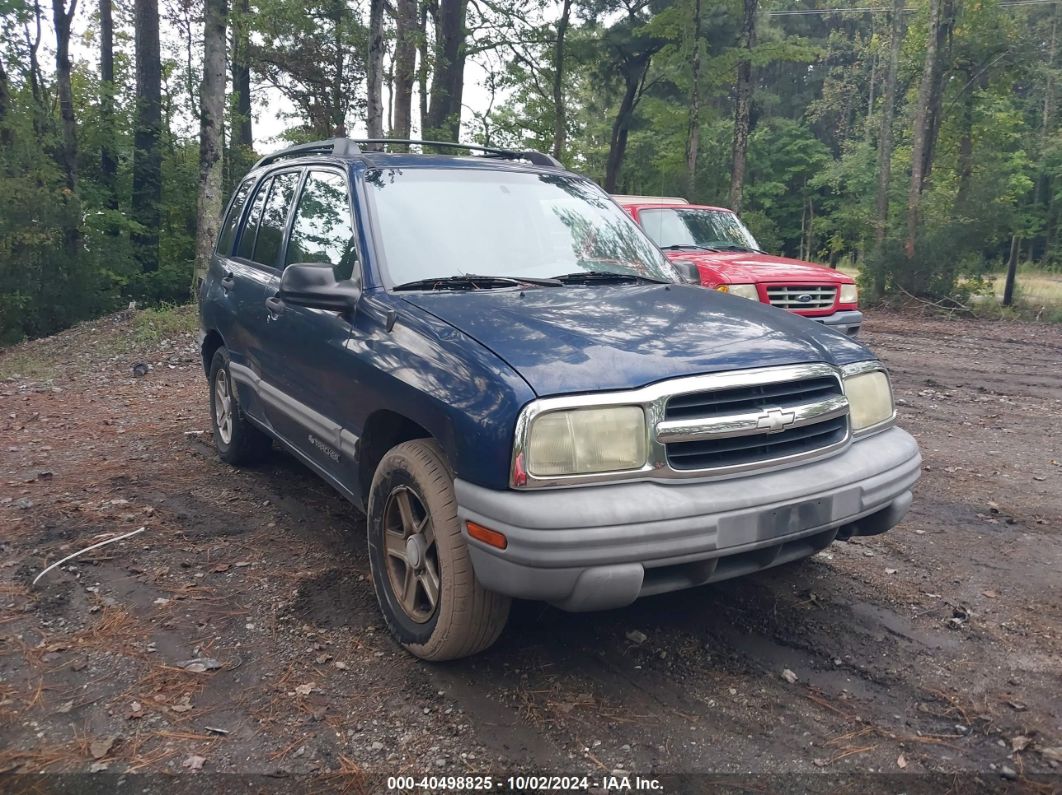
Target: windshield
[
  {"x": 696, "y": 228},
  {"x": 440, "y": 223}
]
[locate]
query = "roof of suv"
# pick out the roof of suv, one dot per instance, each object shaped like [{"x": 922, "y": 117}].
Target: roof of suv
[{"x": 350, "y": 149}]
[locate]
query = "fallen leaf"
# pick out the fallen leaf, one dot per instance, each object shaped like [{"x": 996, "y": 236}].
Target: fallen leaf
[
  {"x": 100, "y": 748},
  {"x": 1019, "y": 743},
  {"x": 65, "y": 707},
  {"x": 789, "y": 676},
  {"x": 901, "y": 761},
  {"x": 221, "y": 568},
  {"x": 990, "y": 594},
  {"x": 194, "y": 762},
  {"x": 306, "y": 689}
]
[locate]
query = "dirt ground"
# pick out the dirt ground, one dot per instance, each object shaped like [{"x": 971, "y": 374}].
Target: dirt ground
[{"x": 934, "y": 649}]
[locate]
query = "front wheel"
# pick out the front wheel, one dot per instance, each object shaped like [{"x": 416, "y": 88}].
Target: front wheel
[{"x": 421, "y": 570}]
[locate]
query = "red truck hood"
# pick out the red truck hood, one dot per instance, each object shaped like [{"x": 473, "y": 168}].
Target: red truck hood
[{"x": 741, "y": 267}]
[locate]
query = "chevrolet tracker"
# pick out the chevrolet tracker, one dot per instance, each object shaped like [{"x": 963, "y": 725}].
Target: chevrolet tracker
[{"x": 489, "y": 357}]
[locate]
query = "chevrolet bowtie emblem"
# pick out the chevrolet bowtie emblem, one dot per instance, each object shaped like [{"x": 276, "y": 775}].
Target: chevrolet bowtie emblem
[{"x": 774, "y": 420}]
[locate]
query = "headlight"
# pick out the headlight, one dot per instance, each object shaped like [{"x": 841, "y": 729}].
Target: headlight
[
  {"x": 869, "y": 399},
  {"x": 740, "y": 290},
  {"x": 849, "y": 294},
  {"x": 582, "y": 441}
]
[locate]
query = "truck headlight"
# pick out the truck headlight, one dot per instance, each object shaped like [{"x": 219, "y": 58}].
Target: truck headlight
[
  {"x": 583, "y": 441},
  {"x": 869, "y": 399},
  {"x": 740, "y": 290},
  {"x": 849, "y": 294}
]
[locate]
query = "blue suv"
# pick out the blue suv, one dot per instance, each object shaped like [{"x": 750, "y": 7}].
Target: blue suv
[{"x": 488, "y": 357}]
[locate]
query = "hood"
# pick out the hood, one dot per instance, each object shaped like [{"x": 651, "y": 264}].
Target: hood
[
  {"x": 740, "y": 267},
  {"x": 565, "y": 340}
]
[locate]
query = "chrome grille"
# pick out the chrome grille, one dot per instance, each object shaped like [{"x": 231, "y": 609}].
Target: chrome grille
[
  {"x": 743, "y": 425},
  {"x": 790, "y": 296}
]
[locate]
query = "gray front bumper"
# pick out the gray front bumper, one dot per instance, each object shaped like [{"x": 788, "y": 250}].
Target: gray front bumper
[
  {"x": 596, "y": 547},
  {"x": 848, "y": 321}
]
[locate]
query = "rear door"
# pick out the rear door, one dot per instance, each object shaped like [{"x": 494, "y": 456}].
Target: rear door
[{"x": 253, "y": 274}]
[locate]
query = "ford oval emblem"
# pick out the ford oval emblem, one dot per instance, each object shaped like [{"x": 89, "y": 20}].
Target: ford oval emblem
[{"x": 804, "y": 298}]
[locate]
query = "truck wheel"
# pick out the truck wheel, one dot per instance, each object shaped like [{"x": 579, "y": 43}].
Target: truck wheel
[
  {"x": 236, "y": 439},
  {"x": 421, "y": 570}
]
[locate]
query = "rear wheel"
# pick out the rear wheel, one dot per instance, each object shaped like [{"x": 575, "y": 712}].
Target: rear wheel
[
  {"x": 421, "y": 570},
  {"x": 236, "y": 439}
]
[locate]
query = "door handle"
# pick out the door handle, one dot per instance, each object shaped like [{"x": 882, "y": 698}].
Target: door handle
[
  {"x": 228, "y": 281},
  {"x": 275, "y": 306}
]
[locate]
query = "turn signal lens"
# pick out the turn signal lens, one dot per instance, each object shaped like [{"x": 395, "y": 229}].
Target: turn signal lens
[
  {"x": 740, "y": 290},
  {"x": 486, "y": 535}
]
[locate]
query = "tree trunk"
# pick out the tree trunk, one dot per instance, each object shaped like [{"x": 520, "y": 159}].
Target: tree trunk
[
  {"x": 560, "y": 114},
  {"x": 447, "y": 85},
  {"x": 1012, "y": 270},
  {"x": 338, "y": 98},
  {"x": 919, "y": 133},
  {"x": 243, "y": 132},
  {"x": 211, "y": 120},
  {"x": 742, "y": 107},
  {"x": 693, "y": 128},
  {"x": 888, "y": 109},
  {"x": 936, "y": 92},
  {"x": 6, "y": 135},
  {"x": 147, "y": 156},
  {"x": 634, "y": 72},
  {"x": 63, "y": 19},
  {"x": 108, "y": 159},
  {"x": 405, "y": 63},
  {"x": 374, "y": 122},
  {"x": 422, "y": 67}
]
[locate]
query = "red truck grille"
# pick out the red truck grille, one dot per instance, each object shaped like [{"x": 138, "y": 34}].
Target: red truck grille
[{"x": 791, "y": 297}]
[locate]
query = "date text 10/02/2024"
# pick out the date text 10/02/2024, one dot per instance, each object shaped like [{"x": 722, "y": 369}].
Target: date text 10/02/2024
[{"x": 611, "y": 783}]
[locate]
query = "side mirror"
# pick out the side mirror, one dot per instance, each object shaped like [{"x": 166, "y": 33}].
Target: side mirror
[
  {"x": 687, "y": 271},
  {"x": 314, "y": 285}
]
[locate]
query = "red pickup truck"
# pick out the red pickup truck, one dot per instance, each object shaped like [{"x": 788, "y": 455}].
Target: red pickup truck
[{"x": 729, "y": 259}]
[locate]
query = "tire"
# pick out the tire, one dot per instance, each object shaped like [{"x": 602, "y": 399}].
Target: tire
[
  {"x": 236, "y": 439},
  {"x": 427, "y": 590}
]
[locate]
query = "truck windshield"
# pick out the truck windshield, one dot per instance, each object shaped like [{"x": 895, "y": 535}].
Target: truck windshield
[
  {"x": 673, "y": 228},
  {"x": 437, "y": 224}
]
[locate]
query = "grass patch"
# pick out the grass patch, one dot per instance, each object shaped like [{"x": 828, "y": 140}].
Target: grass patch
[
  {"x": 164, "y": 322},
  {"x": 30, "y": 365}
]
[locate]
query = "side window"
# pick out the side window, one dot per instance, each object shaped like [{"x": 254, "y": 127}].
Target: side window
[
  {"x": 274, "y": 216},
  {"x": 232, "y": 220},
  {"x": 323, "y": 230},
  {"x": 250, "y": 226}
]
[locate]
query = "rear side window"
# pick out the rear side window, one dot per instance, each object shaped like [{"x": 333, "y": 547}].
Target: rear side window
[
  {"x": 254, "y": 216},
  {"x": 232, "y": 220},
  {"x": 274, "y": 217},
  {"x": 323, "y": 230}
]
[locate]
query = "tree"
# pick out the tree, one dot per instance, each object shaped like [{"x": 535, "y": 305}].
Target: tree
[
  {"x": 742, "y": 106},
  {"x": 405, "y": 62},
  {"x": 63, "y": 18},
  {"x": 447, "y": 84},
  {"x": 147, "y": 155},
  {"x": 881, "y": 215},
  {"x": 242, "y": 123},
  {"x": 560, "y": 121},
  {"x": 693, "y": 132},
  {"x": 108, "y": 157},
  {"x": 374, "y": 72},
  {"x": 211, "y": 119},
  {"x": 920, "y": 131}
]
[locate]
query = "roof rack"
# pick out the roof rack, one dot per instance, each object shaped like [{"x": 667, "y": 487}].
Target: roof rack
[{"x": 345, "y": 147}]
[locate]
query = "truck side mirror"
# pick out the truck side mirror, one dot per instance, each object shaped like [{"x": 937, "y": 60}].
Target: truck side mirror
[
  {"x": 314, "y": 285},
  {"x": 687, "y": 271}
]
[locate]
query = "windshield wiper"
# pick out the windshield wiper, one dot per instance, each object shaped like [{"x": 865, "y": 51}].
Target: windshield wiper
[
  {"x": 471, "y": 281},
  {"x": 684, "y": 246},
  {"x": 737, "y": 247},
  {"x": 602, "y": 277}
]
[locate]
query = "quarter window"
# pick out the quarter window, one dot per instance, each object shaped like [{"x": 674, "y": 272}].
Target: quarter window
[
  {"x": 274, "y": 216},
  {"x": 232, "y": 220},
  {"x": 323, "y": 230}
]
